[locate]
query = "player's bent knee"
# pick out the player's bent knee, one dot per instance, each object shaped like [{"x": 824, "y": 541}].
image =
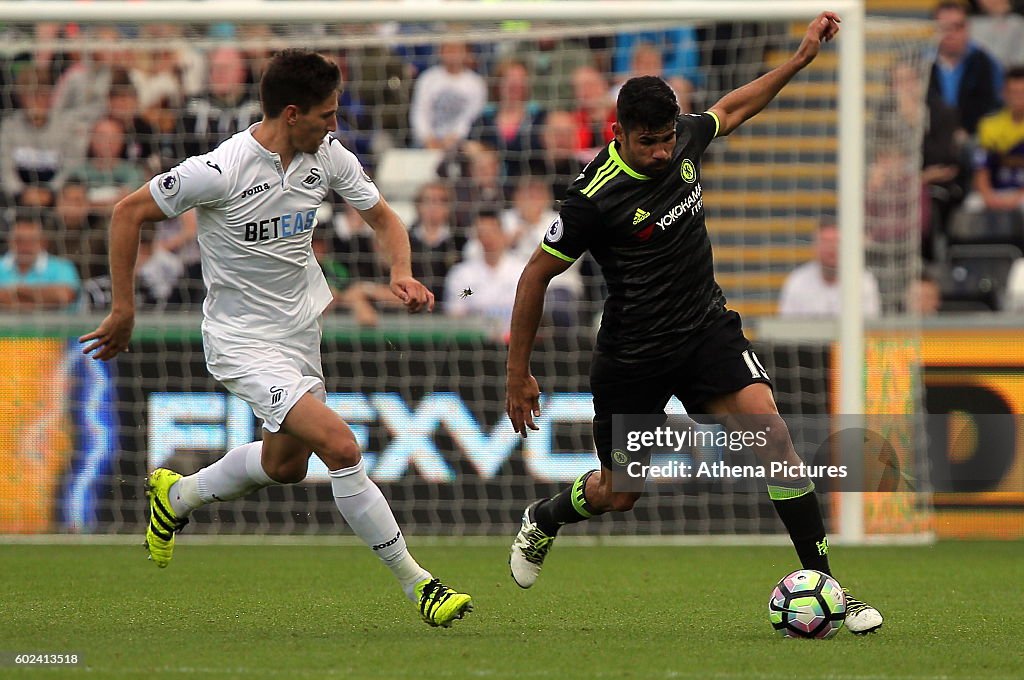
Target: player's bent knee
[
  {"x": 342, "y": 452},
  {"x": 290, "y": 471},
  {"x": 602, "y": 498},
  {"x": 778, "y": 442},
  {"x": 624, "y": 502}
]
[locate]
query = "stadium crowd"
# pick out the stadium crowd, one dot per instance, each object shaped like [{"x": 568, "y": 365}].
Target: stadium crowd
[{"x": 508, "y": 126}]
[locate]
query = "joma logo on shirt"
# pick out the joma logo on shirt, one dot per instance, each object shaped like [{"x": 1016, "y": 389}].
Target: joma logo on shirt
[
  {"x": 252, "y": 191},
  {"x": 280, "y": 227}
]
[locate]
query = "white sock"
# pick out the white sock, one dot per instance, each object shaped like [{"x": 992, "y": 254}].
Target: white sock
[
  {"x": 367, "y": 511},
  {"x": 238, "y": 473}
]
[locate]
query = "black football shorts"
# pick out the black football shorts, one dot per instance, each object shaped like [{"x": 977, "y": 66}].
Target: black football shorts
[{"x": 717, "y": 360}]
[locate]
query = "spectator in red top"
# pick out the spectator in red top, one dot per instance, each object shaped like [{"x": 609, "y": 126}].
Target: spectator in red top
[{"x": 594, "y": 112}]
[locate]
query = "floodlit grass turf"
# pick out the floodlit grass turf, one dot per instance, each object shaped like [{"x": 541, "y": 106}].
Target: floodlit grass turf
[{"x": 952, "y": 610}]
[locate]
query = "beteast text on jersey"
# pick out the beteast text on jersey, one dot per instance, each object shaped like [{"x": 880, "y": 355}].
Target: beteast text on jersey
[{"x": 280, "y": 227}]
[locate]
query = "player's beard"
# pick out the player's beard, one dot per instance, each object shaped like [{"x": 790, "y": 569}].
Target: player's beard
[{"x": 659, "y": 169}]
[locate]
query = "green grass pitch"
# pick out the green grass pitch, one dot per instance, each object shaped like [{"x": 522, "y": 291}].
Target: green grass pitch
[{"x": 953, "y": 610}]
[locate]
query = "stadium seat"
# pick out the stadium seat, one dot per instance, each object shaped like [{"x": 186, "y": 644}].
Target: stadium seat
[
  {"x": 401, "y": 172},
  {"x": 978, "y": 274},
  {"x": 988, "y": 226},
  {"x": 1015, "y": 288}
]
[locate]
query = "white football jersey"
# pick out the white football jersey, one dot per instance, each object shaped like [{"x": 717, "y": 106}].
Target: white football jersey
[{"x": 255, "y": 227}]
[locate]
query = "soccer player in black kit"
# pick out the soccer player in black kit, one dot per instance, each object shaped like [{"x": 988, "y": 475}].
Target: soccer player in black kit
[{"x": 637, "y": 207}]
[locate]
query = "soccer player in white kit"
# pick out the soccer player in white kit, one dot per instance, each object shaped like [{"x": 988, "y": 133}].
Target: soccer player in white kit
[{"x": 256, "y": 197}]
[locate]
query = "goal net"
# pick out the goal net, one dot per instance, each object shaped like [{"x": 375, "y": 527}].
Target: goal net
[{"x": 522, "y": 106}]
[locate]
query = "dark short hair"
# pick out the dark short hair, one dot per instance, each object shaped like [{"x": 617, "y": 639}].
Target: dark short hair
[
  {"x": 947, "y": 5},
  {"x": 121, "y": 83},
  {"x": 25, "y": 215},
  {"x": 434, "y": 184},
  {"x": 297, "y": 77},
  {"x": 646, "y": 103},
  {"x": 1015, "y": 73},
  {"x": 489, "y": 213}
]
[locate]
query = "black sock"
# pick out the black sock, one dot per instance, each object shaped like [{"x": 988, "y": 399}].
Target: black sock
[
  {"x": 802, "y": 518},
  {"x": 568, "y": 506}
]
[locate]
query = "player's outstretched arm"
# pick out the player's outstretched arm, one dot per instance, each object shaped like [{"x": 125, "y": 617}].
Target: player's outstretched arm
[
  {"x": 746, "y": 102},
  {"x": 522, "y": 394},
  {"x": 112, "y": 336},
  {"x": 393, "y": 240}
]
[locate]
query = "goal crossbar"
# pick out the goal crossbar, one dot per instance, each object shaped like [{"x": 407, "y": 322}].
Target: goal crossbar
[{"x": 259, "y": 11}]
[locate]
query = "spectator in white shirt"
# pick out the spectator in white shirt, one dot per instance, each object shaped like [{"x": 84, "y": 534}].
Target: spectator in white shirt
[
  {"x": 485, "y": 285},
  {"x": 524, "y": 223},
  {"x": 1000, "y": 31},
  {"x": 812, "y": 289},
  {"x": 446, "y": 99}
]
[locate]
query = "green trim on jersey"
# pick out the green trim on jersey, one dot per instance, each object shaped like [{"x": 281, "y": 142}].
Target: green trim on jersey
[
  {"x": 601, "y": 177},
  {"x": 718, "y": 123},
  {"x": 551, "y": 251},
  {"x": 613, "y": 152}
]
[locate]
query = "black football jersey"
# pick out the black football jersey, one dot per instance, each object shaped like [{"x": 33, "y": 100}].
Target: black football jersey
[{"x": 649, "y": 237}]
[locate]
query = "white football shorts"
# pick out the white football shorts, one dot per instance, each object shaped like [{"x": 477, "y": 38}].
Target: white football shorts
[{"x": 269, "y": 375}]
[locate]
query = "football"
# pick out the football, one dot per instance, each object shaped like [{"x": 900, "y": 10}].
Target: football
[{"x": 807, "y": 604}]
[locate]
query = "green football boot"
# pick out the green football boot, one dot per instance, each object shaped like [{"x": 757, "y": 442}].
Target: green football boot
[
  {"x": 163, "y": 523},
  {"x": 439, "y": 604}
]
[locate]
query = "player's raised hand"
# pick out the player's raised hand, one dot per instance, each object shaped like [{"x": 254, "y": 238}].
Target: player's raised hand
[
  {"x": 413, "y": 294},
  {"x": 522, "y": 402},
  {"x": 824, "y": 27},
  {"x": 111, "y": 337}
]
